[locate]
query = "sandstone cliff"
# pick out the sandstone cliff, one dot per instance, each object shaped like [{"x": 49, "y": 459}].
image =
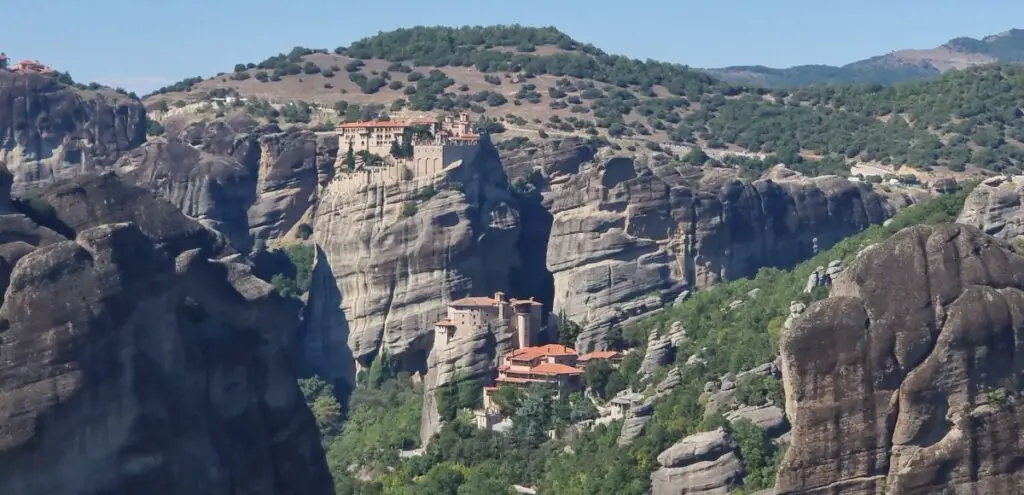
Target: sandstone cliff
[
  {"x": 628, "y": 236},
  {"x": 51, "y": 131},
  {"x": 130, "y": 362},
  {"x": 394, "y": 254},
  {"x": 246, "y": 180},
  {"x": 907, "y": 378},
  {"x": 995, "y": 207}
]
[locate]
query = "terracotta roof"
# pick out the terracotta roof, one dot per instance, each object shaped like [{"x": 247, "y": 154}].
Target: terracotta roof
[
  {"x": 599, "y": 355},
  {"x": 530, "y": 302},
  {"x": 529, "y": 353},
  {"x": 445, "y": 323},
  {"x": 554, "y": 369},
  {"x": 474, "y": 301}
]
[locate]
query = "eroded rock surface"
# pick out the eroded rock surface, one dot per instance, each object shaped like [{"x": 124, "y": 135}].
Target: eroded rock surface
[
  {"x": 50, "y": 131},
  {"x": 389, "y": 270},
  {"x": 246, "y": 180},
  {"x": 625, "y": 230},
  {"x": 994, "y": 206},
  {"x": 132, "y": 363},
  {"x": 905, "y": 380},
  {"x": 704, "y": 463}
]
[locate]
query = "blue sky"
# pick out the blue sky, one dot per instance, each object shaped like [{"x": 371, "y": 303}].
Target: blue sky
[{"x": 143, "y": 44}]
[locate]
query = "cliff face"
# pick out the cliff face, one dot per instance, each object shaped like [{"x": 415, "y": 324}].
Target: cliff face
[
  {"x": 130, "y": 362},
  {"x": 393, "y": 255},
  {"x": 628, "y": 237},
  {"x": 907, "y": 378},
  {"x": 994, "y": 206},
  {"x": 51, "y": 131},
  {"x": 246, "y": 180}
]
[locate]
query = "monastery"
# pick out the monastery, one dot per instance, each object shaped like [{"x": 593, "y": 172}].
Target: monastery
[
  {"x": 435, "y": 144},
  {"x": 26, "y": 66},
  {"x": 527, "y": 363}
]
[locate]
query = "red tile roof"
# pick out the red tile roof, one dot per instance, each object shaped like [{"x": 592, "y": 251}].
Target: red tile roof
[
  {"x": 474, "y": 301},
  {"x": 554, "y": 369},
  {"x": 531, "y": 353},
  {"x": 445, "y": 323},
  {"x": 599, "y": 355}
]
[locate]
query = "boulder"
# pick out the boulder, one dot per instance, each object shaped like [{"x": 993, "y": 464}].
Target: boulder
[{"x": 703, "y": 463}]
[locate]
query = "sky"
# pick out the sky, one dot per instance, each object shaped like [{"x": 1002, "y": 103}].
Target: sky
[{"x": 144, "y": 44}]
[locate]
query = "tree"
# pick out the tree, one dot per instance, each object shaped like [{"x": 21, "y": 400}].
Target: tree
[
  {"x": 3, "y": 60},
  {"x": 567, "y": 330},
  {"x": 533, "y": 417},
  {"x": 597, "y": 375},
  {"x": 696, "y": 156},
  {"x": 350, "y": 158},
  {"x": 506, "y": 397}
]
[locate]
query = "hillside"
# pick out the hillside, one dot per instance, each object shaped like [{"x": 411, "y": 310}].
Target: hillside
[
  {"x": 898, "y": 66},
  {"x": 536, "y": 84}
]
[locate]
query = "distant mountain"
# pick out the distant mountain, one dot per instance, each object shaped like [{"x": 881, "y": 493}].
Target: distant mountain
[{"x": 899, "y": 66}]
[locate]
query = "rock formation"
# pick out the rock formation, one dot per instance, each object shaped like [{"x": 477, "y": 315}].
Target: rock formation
[
  {"x": 394, "y": 255},
  {"x": 628, "y": 237},
  {"x": 906, "y": 379},
  {"x": 704, "y": 463},
  {"x": 995, "y": 207},
  {"x": 130, "y": 362},
  {"x": 245, "y": 180},
  {"x": 51, "y": 131}
]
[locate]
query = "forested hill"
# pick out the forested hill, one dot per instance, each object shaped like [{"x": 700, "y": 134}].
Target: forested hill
[
  {"x": 898, "y": 66},
  {"x": 538, "y": 83}
]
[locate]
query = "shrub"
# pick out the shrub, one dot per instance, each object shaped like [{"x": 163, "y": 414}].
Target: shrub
[{"x": 408, "y": 209}]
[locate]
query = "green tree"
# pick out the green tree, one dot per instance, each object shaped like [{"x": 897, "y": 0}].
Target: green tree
[
  {"x": 350, "y": 158},
  {"x": 506, "y": 397},
  {"x": 567, "y": 330},
  {"x": 534, "y": 414},
  {"x": 597, "y": 375}
]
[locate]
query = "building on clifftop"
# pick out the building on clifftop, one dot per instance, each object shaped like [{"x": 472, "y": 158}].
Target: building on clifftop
[
  {"x": 424, "y": 146},
  {"x": 31, "y": 66}
]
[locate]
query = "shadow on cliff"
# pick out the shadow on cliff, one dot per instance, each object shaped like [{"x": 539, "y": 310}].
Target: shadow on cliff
[
  {"x": 324, "y": 334},
  {"x": 534, "y": 280}
]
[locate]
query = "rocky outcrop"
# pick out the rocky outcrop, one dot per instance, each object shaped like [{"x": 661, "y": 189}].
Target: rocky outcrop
[
  {"x": 52, "y": 131},
  {"x": 994, "y": 206},
  {"x": 468, "y": 356},
  {"x": 394, "y": 255},
  {"x": 246, "y": 180},
  {"x": 132, "y": 363},
  {"x": 661, "y": 351},
  {"x": 704, "y": 463},
  {"x": 628, "y": 237},
  {"x": 906, "y": 379}
]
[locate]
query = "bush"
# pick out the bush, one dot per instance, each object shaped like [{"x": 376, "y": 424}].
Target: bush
[
  {"x": 408, "y": 209},
  {"x": 154, "y": 128},
  {"x": 495, "y": 99}
]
